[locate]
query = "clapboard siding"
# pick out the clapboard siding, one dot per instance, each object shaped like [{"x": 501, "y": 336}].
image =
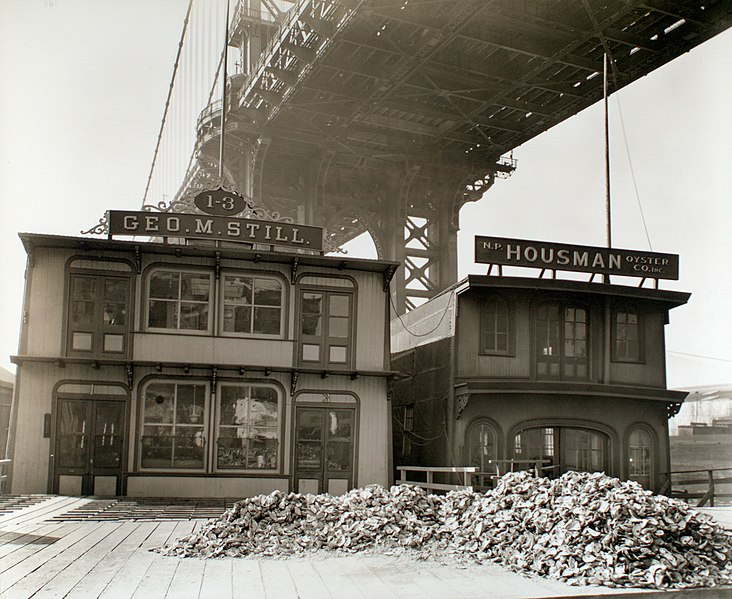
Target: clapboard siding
[{"x": 46, "y": 303}]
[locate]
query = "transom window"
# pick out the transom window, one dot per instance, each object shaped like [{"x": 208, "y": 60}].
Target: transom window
[
  {"x": 326, "y": 328},
  {"x": 252, "y": 305},
  {"x": 248, "y": 427},
  {"x": 626, "y": 336},
  {"x": 495, "y": 326},
  {"x": 179, "y": 300},
  {"x": 561, "y": 342},
  {"x": 98, "y": 321}
]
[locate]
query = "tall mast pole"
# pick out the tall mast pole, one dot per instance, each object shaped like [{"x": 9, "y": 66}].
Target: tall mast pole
[
  {"x": 607, "y": 155},
  {"x": 223, "y": 94}
]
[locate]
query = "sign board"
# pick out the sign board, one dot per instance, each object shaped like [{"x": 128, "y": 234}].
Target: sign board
[
  {"x": 220, "y": 228},
  {"x": 578, "y": 258}
]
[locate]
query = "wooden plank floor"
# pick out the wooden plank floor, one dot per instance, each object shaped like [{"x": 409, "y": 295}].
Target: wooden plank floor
[{"x": 42, "y": 556}]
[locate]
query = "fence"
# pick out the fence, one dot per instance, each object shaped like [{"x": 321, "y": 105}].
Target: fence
[
  {"x": 4, "y": 466},
  {"x": 430, "y": 484},
  {"x": 706, "y": 487}
]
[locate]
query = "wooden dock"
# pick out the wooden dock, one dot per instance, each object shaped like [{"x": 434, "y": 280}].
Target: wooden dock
[{"x": 47, "y": 551}]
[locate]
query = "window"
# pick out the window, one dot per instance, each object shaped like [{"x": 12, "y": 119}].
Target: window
[
  {"x": 481, "y": 445},
  {"x": 562, "y": 341},
  {"x": 175, "y": 420},
  {"x": 563, "y": 448},
  {"x": 178, "y": 415},
  {"x": 325, "y": 328},
  {"x": 252, "y": 305},
  {"x": 495, "y": 327},
  {"x": 407, "y": 429},
  {"x": 626, "y": 336},
  {"x": 179, "y": 300},
  {"x": 248, "y": 427},
  {"x": 640, "y": 457},
  {"x": 98, "y": 321}
]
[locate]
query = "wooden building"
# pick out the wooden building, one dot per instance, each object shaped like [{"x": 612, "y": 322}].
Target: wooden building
[
  {"x": 201, "y": 370},
  {"x": 500, "y": 372}
]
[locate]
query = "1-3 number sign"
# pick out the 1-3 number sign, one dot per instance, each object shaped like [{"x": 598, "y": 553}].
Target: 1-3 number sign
[{"x": 218, "y": 202}]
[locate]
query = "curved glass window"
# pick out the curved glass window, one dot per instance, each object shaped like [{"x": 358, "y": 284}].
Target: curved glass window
[{"x": 640, "y": 457}]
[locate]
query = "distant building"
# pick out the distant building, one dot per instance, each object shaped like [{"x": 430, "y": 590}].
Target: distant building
[
  {"x": 7, "y": 384},
  {"x": 499, "y": 372}
]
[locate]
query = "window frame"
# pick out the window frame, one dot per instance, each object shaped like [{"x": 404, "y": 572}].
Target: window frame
[
  {"x": 653, "y": 450},
  {"x": 283, "y": 306},
  {"x": 615, "y": 354},
  {"x": 562, "y": 305},
  {"x": 209, "y": 330},
  {"x": 325, "y": 340},
  {"x": 278, "y": 428},
  {"x": 204, "y": 426},
  {"x": 98, "y": 329},
  {"x": 510, "y": 349}
]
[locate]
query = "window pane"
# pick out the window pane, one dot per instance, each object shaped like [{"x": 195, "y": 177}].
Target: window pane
[
  {"x": 82, "y": 313},
  {"x": 84, "y": 288},
  {"x": 340, "y": 425},
  {"x": 238, "y": 290},
  {"x": 338, "y": 457},
  {"x": 234, "y": 405},
  {"x": 262, "y": 448},
  {"x": 195, "y": 287},
  {"x": 157, "y": 447},
  {"x": 163, "y": 315},
  {"x": 232, "y": 448},
  {"x": 114, "y": 343},
  {"x": 267, "y": 321},
  {"x": 164, "y": 285},
  {"x": 263, "y": 408},
  {"x": 237, "y": 319},
  {"x": 81, "y": 341},
  {"x": 310, "y": 426},
  {"x": 188, "y": 447},
  {"x": 159, "y": 402},
  {"x": 311, "y": 352},
  {"x": 267, "y": 292},
  {"x": 338, "y": 354},
  {"x": 338, "y": 327},
  {"x": 309, "y": 456},
  {"x": 190, "y": 404},
  {"x": 115, "y": 314},
  {"x": 311, "y": 324},
  {"x": 193, "y": 317},
  {"x": 115, "y": 290},
  {"x": 339, "y": 305}
]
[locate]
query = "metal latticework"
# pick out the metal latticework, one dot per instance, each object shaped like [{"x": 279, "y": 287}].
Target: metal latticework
[{"x": 389, "y": 115}]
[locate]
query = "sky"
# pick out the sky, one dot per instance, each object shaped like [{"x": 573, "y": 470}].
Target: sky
[{"x": 84, "y": 84}]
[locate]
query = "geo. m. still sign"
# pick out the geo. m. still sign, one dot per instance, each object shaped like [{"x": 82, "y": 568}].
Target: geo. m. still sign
[
  {"x": 221, "y": 228},
  {"x": 577, "y": 258}
]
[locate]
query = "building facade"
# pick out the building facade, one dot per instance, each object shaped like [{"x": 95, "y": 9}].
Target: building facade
[
  {"x": 507, "y": 372},
  {"x": 154, "y": 369}
]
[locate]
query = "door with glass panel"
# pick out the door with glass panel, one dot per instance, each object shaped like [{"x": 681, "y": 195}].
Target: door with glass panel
[
  {"x": 89, "y": 446},
  {"x": 561, "y": 342},
  {"x": 324, "y": 450}
]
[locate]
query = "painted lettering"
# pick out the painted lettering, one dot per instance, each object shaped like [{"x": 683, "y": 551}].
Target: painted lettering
[
  {"x": 152, "y": 224},
  {"x": 204, "y": 226},
  {"x": 295, "y": 236},
  {"x": 173, "y": 224},
  {"x": 616, "y": 261},
  {"x": 580, "y": 258},
  {"x": 130, "y": 223},
  {"x": 598, "y": 261},
  {"x": 563, "y": 257},
  {"x": 278, "y": 236},
  {"x": 516, "y": 253},
  {"x": 531, "y": 254},
  {"x": 252, "y": 229},
  {"x": 233, "y": 229}
]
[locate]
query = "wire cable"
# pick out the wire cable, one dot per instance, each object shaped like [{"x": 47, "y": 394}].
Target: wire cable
[
  {"x": 680, "y": 353},
  {"x": 437, "y": 326}
]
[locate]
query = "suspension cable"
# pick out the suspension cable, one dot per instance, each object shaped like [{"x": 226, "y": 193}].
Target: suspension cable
[{"x": 167, "y": 101}]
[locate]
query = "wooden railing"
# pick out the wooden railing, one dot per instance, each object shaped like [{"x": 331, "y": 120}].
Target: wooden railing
[
  {"x": 4, "y": 465},
  {"x": 696, "y": 478},
  {"x": 430, "y": 471}
]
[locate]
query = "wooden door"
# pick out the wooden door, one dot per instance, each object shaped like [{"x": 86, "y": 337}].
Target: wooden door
[
  {"x": 89, "y": 447},
  {"x": 324, "y": 450}
]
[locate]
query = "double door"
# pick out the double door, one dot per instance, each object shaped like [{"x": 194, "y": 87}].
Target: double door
[
  {"x": 89, "y": 447},
  {"x": 324, "y": 448}
]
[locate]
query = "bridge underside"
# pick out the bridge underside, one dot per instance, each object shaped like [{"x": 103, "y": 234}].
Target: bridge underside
[{"x": 387, "y": 116}]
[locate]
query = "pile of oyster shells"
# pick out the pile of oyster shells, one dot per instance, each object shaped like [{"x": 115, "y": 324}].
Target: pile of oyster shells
[{"x": 581, "y": 528}]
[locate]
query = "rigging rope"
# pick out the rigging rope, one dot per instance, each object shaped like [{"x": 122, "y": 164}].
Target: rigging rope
[{"x": 167, "y": 101}]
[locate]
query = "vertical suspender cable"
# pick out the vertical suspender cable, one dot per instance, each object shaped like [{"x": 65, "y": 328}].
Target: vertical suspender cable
[
  {"x": 167, "y": 101},
  {"x": 607, "y": 154},
  {"x": 223, "y": 93}
]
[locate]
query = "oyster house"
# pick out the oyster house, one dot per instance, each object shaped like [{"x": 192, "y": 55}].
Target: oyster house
[{"x": 200, "y": 365}]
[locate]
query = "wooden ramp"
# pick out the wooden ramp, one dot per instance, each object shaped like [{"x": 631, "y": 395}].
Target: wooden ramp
[{"x": 46, "y": 552}]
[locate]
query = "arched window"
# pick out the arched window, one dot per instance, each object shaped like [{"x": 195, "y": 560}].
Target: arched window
[
  {"x": 481, "y": 445},
  {"x": 495, "y": 327},
  {"x": 640, "y": 457},
  {"x": 563, "y": 448}
]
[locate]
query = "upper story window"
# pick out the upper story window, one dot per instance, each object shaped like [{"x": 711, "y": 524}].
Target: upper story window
[
  {"x": 562, "y": 342},
  {"x": 326, "y": 328},
  {"x": 495, "y": 327},
  {"x": 253, "y": 305},
  {"x": 626, "y": 336},
  {"x": 98, "y": 321},
  {"x": 179, "y": 300}
]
